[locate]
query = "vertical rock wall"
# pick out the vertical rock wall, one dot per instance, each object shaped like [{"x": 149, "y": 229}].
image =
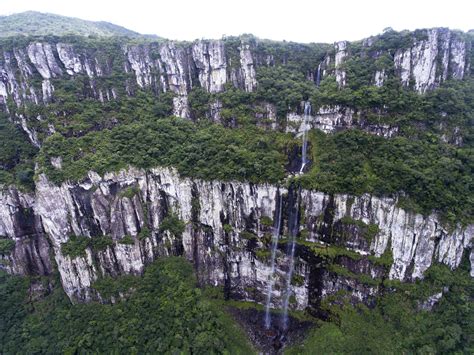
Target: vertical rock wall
[{"x": 225, "y": 235}]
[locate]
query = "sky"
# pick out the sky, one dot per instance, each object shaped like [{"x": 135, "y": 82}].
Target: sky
[{"x": 291, "y": 20}]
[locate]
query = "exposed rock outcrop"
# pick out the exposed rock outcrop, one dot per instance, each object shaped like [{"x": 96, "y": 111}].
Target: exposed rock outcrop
[
  {"x": 20, "y": 223},
  {"x": 70, "y": 59},
  {"x": 29, "y": 74},
  {"x": 336, "y": 118},
  {"x": 247, "y": 68},
  {"x": 42, "y": 57},
  {"x": 211, "y": 62},
  {"x": 224, "y": 235},
  {"x": 341, "y": 54},
  {"x": 430, "y": 61}
]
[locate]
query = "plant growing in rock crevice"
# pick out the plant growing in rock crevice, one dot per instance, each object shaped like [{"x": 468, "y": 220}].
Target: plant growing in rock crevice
[
  {"x": 6, "y": 245},
  {"x": 126, "y": 240},
  {"x": 130, "y": 192},
  {"x": 172, "y": 224},
  {"x": 76, "y": 245}
]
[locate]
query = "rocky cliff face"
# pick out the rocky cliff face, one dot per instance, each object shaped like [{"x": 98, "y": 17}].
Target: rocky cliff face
[
  {"x": 227, "y": 235},
  {"x": 28, "y": 73},
  {"x": 336, "y": 118},
  {"x": 161, "y": 67},
  {"x": 433, "y": 57},
  {"x": 30, "y": 254},
  {"x": 342, "y": 240},
  {"x": 339, "y": 56},
  {"x": 432, "y": 60}
]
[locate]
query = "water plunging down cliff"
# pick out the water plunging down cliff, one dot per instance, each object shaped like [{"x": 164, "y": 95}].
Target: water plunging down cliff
[
  {"x": 223, "y": 235},
  {"x": 304, "y": 148},
  {"x": 294, "y": 195},
  {"x": 271, "y": 281}
]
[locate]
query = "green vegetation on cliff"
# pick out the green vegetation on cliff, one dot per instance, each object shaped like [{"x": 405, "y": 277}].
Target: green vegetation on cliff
[
  {"x": 164, "y": 313},
  {"x": 16, "y": 155},
  {"x": 77, "y": 245},
  {"x": 429, "y": 117},
  {"x": 6, "y": 245},
  {"x": 432, "y": 176},
  {"x": 207, "y": 151},
  {"x": 398, "y": 324},
  {"x": 428, "y": 175},
  {"x": 429, "y": 164}
]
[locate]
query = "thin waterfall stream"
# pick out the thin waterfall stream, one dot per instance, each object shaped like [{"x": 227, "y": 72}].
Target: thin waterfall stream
[
  {"x": 307, "y": 113},
  {"x": 293, "y": 231},
  {"x": 271, "y": 283},
  {"x": 318, "y": 75},
  {"x": 286, "y": 299}
]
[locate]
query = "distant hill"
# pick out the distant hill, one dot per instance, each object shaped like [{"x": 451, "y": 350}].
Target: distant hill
[{"x": 33, "y": 23}]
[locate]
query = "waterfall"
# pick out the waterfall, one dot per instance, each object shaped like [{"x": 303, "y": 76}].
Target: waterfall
[
  {"x": 293, "y": 231},
  {"x": 318, "y": 75},
  {"x": 271, "y": 282},
  {"x": 286, "y": 299},
  {"x": 307, "y": 113}
]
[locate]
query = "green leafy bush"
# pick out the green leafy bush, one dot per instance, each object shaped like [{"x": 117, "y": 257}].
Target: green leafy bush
[
  {"x": 206, "y": 151},
  {"x": 397, "y": 324},
  {"x": 262, "y": 254},
  {"x": 386, "y": 259},
  {"x": 432, "y": 176},
  {"x": 173, "y": 224},
  {"x": 100, "y": 243},
  {"x": 130, "y": 192},
  {"x": 115, "y": 287},
  {"x": 248, "y": 235},
  {"x": 327, "y": 251},
  {"x": 283, "y": 87},
  {"x": 227, "y": 228},
  {"x": 266, "y": 221},
  {"x": 126, "y": 239},
  {"x": 75, "y": 246},
  {"x": 144, "y": 233},
  {"x": 297, "y": 280},
  {"x": 6, "y": 245},
  {"x": 16, "y": 155},
  {"x": 362, "y": 278},
  {"x": 198, "y": 100}
]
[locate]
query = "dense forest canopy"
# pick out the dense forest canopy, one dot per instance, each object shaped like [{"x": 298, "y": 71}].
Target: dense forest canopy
[{"x": 162, "y": 311}]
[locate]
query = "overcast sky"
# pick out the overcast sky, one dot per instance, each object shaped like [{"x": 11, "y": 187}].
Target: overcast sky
[{"x": 291, "y": 20}]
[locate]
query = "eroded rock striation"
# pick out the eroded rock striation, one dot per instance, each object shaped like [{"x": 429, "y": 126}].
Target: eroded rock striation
[
  {"x": 28, "y": 73},
  {"x": 341, "y": 239},
  {"x": 225, "y": 234}
]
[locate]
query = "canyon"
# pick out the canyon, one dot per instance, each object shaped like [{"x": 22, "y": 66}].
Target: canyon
[{"x": 276, "y": 244}]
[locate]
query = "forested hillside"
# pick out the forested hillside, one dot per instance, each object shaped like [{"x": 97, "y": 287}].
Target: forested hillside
[
  {"x": 167, "y": 194},
  {"x": 32, "y": 23}
]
